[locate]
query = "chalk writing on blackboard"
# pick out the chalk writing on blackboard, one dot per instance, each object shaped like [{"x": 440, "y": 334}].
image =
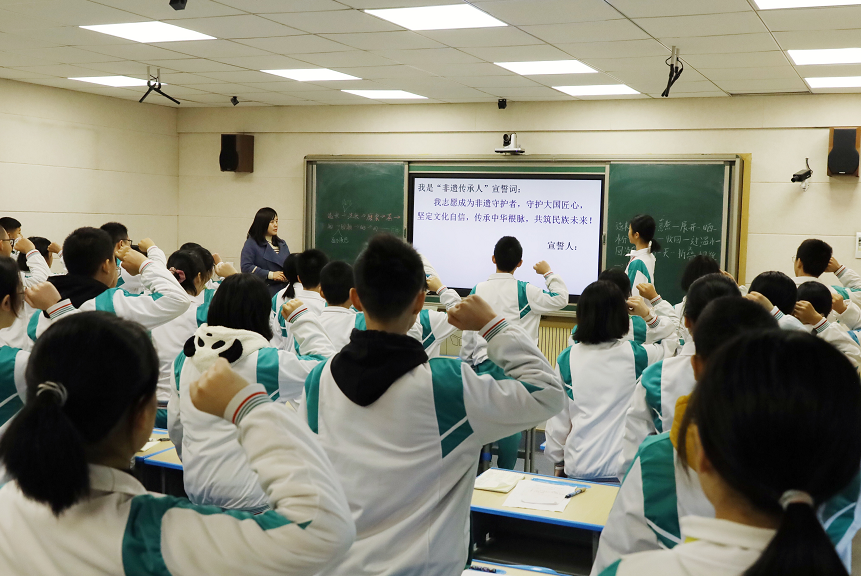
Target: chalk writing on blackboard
[{"x": 681, "y": 239}]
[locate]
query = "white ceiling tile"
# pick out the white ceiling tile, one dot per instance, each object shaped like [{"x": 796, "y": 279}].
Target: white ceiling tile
[
  {"x": 210, "y": 98},
  {"x": 526, "y": 92},
  {"x": 228, "y": 88},
  {"x": 651, "y": 8},
  {"x": 763, "y": 85},
  {"x": 533, "y": 53},
  {"x": 120, "y": 68},
  {"x": 20, "y": 59},
  {"x": 494, "y": 81},
  {"x": 717, "y": 74},
  {"x": 737, "y": 60},
  {"x": 214, "y": 48},
  {"x": 370, "y": 4},
  {"x": 185, "y": 79},
  {"x": 574, "y": 79},
  {"x": 239, "y": 77},
  {"x": 334, "y": 22},
  {"x": 832, "y": 18},
  {"x": 335, "y": 97},
  {"x": 608, "y": 30},
  {"x": 723, "y": 44},
  {"x": 161, "y": 10},
  {"x": 72, "y": 36},
  {"x": 341, "y": 59},
  {"x": 676, "y": 95},
  {"x": 193, "y": 65},
  {"x": 73, "y": 12},
  {"x": 433, "y": 55},
  {"x": 529, "y": 12},
  {"x": 620, "y": 49},
  {"x": 63, "y": 70},
  {"x": 26, "y": 40},
  {"x": 242, "y": 26},
  {"x": 828, "y": 71},
  {"x": 13, "y": 22},
  {"x": 13, "y": 74},
  {"x": 283, "y": 86},
  {"x": 290, "y": 45},
  {"x": 818, "y": 39},
  {"x": 273, "y": 98},
  {"x": 179, "y": 92},
  {"x": 477, "y": 37},
  {"x": 403, "y": 40},
  {"x": 136, "y": 51},
  {"x": 394, "y": 71},
  {"x": 448, "y": 92},
  {"x": 476, "y": 69},
  {"x": 706, "y": 25},
  {"x": 379, "y": 84},
  {"x": 68, "y": 55},
  {"x": 656, "y": 86},
  {"x": 264, "y": 62},
  {"x": 275, "y": 6}
]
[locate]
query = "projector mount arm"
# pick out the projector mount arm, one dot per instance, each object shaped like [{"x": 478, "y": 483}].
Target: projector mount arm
[{"x": 154, "y": 85}]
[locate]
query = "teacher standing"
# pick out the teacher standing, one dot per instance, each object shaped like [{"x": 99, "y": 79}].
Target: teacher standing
[{"x": 264, "y": 252}]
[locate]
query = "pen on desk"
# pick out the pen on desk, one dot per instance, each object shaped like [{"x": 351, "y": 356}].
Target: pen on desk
[
  {"x": 162, "y": 439},
  {"x": 577, "y": 491},
  {"x": 483, "y": 569}
]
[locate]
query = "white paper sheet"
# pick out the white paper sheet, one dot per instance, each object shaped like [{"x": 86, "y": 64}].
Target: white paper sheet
[
  {"x": 538, "y": 495},
  {"x": 497, "y": 480}
]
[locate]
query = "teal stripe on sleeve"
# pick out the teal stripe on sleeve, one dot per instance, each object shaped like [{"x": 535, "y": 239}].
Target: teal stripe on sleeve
[
  {"x": 450, "y": 408},
  {"x": 838, "y": 514},
  {"x": 564, "y": 363},
  {"x": 611, "y": 569},
  {"x": 471, "y": 292},
  {"x": 267, "y": 370},
  {"x": 842, "y": 291},
  {"x": 489, "y": 367},
  {"x": 105, "y": 301},
  {"x": 203, "y": 309},
  {"x": 360, "y": 322},
  {"x": 641, "y": 358},
  {"x": 312, "y": 396},
  {"x": 177, "y": 368},
  {"x": 651, "y": 381},
  {"x": 10, "y": 402},
  {"x": 427, "y": 331},
  {"x": 32, "y": 325},
  {"x": 523, "y": 298},
  {"x": 640, "y": 329},
  {"x": 635, "y": 266},
  {"x": 660, "y": 501},
  {"x": 141, "y": 546}
]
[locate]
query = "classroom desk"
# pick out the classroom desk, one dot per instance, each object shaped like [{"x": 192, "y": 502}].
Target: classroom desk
[
  {"x": 160, "y": 447},
  {"x": 155, "y": 464},
  {"x": 165, "y": 459},
  {"x": 507, "y": 570}
]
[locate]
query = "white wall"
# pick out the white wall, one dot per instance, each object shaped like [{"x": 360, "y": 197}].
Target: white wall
[
  {"x": 70, "y": 159},
  {"x": 779, "y": 131}
]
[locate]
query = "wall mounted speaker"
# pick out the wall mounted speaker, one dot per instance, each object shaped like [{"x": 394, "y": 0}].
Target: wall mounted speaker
[
  {"x": 237, "y": 153},
  {"x": 844, "y": 146}
]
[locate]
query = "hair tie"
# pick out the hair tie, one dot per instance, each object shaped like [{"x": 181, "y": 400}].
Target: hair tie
[
  {"x": 178, "y": 274},
  {"x": 796, "y": 497},
  {"x": 54, "y": 388}
]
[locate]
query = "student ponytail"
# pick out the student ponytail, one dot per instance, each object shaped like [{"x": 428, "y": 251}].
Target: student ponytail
[
  {"x": 186, "y": 266},
  {"x": 10, "y": 284},
  {"x": 291, "y": 271},
  {"x": 779, "y": 438},
  {"x": 645, "y": 226},
  {"x": 74, "y": 404},
  {"x": 205, "y": 255}
]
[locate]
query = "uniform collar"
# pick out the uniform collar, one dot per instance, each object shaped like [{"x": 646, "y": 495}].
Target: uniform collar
[
  {"x": 799, "y": 280},
  {"x": 501, "y": 276},
  {"x": 337, "y": 310},
  {"x": 642, "y": 252},
  {"x": 106, "y": 479},
  {"x": 688, "y": 349},
  {"x": 302, "y": 293},
  {"x": 726, "y": 533}
]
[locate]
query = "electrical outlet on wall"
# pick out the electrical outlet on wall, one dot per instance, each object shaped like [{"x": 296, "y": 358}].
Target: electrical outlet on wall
[{"x": 858, "y": 244}]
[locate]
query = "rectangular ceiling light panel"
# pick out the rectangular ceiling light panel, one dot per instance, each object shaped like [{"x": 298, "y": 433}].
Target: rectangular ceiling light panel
[
  {"x": 835, "y": 82},
  {"x": 599, "y": 90},
  {"x": 386, "y": 94},
  {"x": 149, "y": 32},
  {"x": 546, "y": 67},
  {"x": 775, "y": 4},
  {"x": 311, "y": 74},
  {"x": 438, "y": 17},
  {"x": 115, "y": 81},
  {"x": 829, "y": 56}
]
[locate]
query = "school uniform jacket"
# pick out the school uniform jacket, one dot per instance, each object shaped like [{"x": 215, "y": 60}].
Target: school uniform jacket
[
  {"x": 850, "y": 319},
  {"x": 39, "y": 270},
  {"x": 133, "y": 284},
  {"x": 121, "y": 529},
  {"x": 657, "y": 492},
  {"x": 599, "y": 380},
  {"x": 653, "y": 405},
  {"x": 216, "y": 470},
  {"x": 519, "y": 302},
  {"x": 404, "y": 435},
  {"x": 338, "y": 323},
  {"x": 282, "y": 338},
  {"x": 434, "y": 324},
  {"x": 430, "y": 328},
  {"x": 311, "y": 299},
  {"x": 640, "y": 268},
  {"x": 170, "y": 338},
  {"x": 13, "y": 387},
  {"x": 166, "y": 300}
]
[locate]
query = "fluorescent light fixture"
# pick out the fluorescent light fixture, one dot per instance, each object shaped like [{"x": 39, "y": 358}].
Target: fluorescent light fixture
[
  {"x": 546, "y": 67},
  {"x": 115, "y": 81},
  {"x": 835, "y": 82},
  {"x": 830, "y": 56},
  {"x": 774, "y": 4},
  {"x": 386, "y": 94},
  {"x": 599, "y": 90},
  {"x": 149, "y": 32},
  {"x": 311, "y": 74},
  {"x": 438, "y": 17}
]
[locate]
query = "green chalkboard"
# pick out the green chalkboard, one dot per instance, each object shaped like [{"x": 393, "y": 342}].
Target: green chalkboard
[
  {"x": 687, "y": 202},
  {"x": 355, "y": 200}
]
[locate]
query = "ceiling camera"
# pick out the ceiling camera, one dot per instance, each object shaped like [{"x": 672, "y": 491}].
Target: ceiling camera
[
  {"x": 178, "y": 4},
  {"x": 502, "y": 103},
  {"x": 234, "y": 100}
]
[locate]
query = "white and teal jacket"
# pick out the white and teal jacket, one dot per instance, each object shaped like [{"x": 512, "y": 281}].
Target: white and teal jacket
[
  {"x": 850, "y": 319},
  {"x": 434, "y": 324},
  {"x": 13, "y": 387},
  {"x": 408, "y": 460},
  {"x": 338, "y": 322},
  {"x": 653, "y": 405},
  {"x": 640, "y": 268},
  {"x": 169, "y": 339},
  {"x": 216, "y": 471},
  {"x": 599, "y": 380},
  {"x": 165, "y": 301},
  {"x": 121, "y": 529},
  {"x": 519, "y": 302},
  {"x": 658, "y": 491},
  {"x": 39, "y": 271},
  {"x": 134, "y": 284}
]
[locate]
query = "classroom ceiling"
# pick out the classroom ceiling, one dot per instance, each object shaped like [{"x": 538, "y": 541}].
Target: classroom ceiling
[{"x": 728, "y": 47}]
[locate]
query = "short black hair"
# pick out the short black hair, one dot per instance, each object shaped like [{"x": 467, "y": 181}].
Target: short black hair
[
  {"x": 389, "y": 275},
  {"x": 336, "y": 279},
  {"x": 260, "y": 226},
  {"x": 779, "y": 288},
  {"x": 291, "y": 273},
  {"x": 508, "y": 253},
  {"x": 242, "y": 302},
  {"x": 41, "y": 245},
  {"x": 116, "y": 231},
  {"x": 814, "y": 255},
  {"x": 10, "y": 283},
  {"x": 618, "y": 277},
  {"x": 9, "y": 224},
  {"x": 85, "y": 250},
  {"x": 697, "y": 267},
  {"x": 204, "y": 254},
  {"x": 308, "y": 266},
  {"x": 706, "y": 289},
  {"x": 602, "y": 314},
  {"x": 818, "y": 295},
  {"x": 725, "y": 318}
]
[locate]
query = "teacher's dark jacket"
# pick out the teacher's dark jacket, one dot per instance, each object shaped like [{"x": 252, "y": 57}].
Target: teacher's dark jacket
[{"x": 260, "y": 260}]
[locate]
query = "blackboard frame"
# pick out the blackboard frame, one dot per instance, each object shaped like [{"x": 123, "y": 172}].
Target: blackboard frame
[{"x": 463, "y": 291}]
